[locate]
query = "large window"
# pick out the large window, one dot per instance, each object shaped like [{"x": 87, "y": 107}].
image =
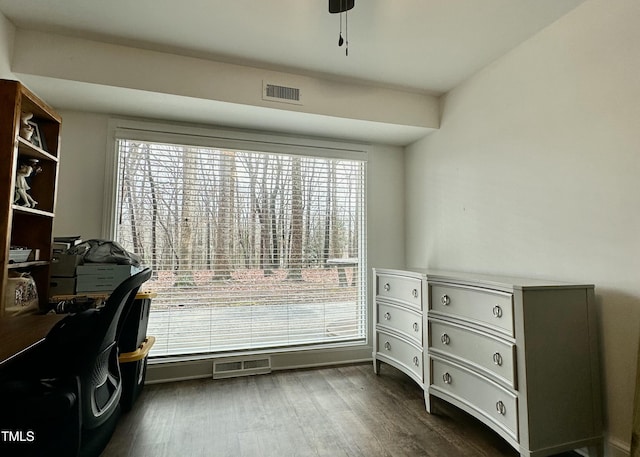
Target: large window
[{"x": 251, "y": 250}]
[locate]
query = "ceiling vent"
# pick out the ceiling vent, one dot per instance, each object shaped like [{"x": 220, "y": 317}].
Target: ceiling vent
[{"x": 283, "y": 94}]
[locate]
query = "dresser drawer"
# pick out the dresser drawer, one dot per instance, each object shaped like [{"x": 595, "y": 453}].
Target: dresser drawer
[
  {"x": 402, "y": 352},
  {"x": 493, "y": 355},
  {"x": 400, "y": 288},
  {"x": 479, "y": 395},
  {"x": 403, "y": 320},
  {"x": 485, "y": 307}
]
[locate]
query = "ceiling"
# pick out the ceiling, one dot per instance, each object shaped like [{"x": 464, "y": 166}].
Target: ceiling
[{"x": 427, "y": 46}]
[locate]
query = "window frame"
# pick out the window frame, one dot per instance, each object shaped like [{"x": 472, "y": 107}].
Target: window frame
[{"x": 240, "y": 140}]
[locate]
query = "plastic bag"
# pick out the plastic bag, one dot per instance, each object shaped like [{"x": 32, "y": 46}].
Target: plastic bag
[
  {"x": 21, "y": 296},
  {"x": 103, "y": 251}
]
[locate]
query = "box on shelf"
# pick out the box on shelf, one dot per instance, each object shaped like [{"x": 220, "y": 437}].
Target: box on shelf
[
  {"x": 112, "y": 269},
  {"x": 91, "y": 283},
  {"x": 62, "y": 243},
  {"x": 64, "y": 265},
  {"x": 62, "y": 286},
  {"x": 87, "y": 284},
  {"x": 19, "y": 255},
  {"x": 102, "y": 277},
  {"x": 58, "y": 247}
]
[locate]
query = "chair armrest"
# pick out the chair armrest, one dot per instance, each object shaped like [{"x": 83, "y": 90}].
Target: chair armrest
[{"x": 139, "y": 353}]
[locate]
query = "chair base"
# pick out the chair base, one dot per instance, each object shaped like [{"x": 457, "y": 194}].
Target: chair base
[{"x": 94, "y": 441}]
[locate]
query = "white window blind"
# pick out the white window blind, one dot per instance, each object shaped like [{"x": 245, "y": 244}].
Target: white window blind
[{"x": 250, "y": 250}]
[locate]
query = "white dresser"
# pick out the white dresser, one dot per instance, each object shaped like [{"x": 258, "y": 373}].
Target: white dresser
[
  {"x": 399, "y": 308},
  {"x": 519, "y": 355}
]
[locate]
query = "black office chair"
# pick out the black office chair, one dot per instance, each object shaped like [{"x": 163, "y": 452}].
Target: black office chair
[{"x": 67, "y": 391}]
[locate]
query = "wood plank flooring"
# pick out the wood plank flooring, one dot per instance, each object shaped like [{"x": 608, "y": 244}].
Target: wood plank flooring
[{"x": 326, "y": 412}]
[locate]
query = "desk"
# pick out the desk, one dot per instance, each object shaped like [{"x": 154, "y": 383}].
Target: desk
[{"x": 17, "y": 334}]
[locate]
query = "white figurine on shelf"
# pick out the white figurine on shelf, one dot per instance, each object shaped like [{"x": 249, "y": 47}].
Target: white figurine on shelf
[
  {"x": 24, "y": 171},
  {"x": 26, "y": 130}
]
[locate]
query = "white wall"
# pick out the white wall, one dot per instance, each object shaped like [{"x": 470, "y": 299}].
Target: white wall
[
  {"x": 7, "y": 37},
  {"x": 79, "y": 207},
  {"x": 385, "y": 211},
  {"x": 535, "y": 172}
]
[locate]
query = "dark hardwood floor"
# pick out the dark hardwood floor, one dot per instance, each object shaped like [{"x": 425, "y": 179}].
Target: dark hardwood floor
[{"x": 332, "y": 412}]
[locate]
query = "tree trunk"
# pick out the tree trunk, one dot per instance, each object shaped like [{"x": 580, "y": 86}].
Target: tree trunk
[
  {"x": 307, "y": 242},
  {"x": 154, "y": 213},
  {"x": 184, "y": 276},
  {"x": 295, "y": 233},
  {"x": 277, "y": 248},
  {"x": 225, "y": 206},
  {"x": 335, "y": 249},
  {"x": 327, "y": 220},
  {"x": 263, "y": 218}
]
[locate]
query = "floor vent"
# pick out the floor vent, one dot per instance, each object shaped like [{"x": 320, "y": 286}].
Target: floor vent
[
  {"x": 241, "y": 366},
  {"x": 283, "y": 94}
]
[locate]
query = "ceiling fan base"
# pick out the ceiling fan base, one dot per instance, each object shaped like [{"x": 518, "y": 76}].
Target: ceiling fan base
[{"x": 340, "y": 6}]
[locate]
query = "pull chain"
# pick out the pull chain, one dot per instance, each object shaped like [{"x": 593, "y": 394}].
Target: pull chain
[
  {"x": 346, "y": 31},
  {"x": 343, "y": 8}
]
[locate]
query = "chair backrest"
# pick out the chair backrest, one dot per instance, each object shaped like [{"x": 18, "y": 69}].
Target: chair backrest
[
  {"x": 101, "y": 380},
  {"x": 89, "y": 340},
  {"x": 118, "y": 305}
]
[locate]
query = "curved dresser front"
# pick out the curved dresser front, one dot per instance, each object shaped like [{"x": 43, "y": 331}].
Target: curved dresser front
[{"x": 520, "y": 355}]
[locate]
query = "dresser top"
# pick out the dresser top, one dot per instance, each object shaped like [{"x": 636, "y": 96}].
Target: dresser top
[{"x": 506, "y": 283}]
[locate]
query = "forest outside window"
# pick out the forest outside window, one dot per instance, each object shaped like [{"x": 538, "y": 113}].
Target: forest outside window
[{"x": 250, "y": 250}]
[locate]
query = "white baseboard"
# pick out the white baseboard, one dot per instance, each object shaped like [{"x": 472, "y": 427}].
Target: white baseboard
[
  {"x": 617, "y": 448},
  {"x": 159, "y": 371}
]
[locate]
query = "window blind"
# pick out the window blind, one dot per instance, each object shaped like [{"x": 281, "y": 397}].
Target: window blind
[{"x": 250, "y": 250}]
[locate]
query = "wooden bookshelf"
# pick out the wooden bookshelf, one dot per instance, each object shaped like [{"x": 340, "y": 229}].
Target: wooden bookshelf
[{"x": 29, "y": 227}]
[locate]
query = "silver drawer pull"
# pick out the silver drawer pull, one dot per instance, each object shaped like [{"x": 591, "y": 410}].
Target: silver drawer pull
[
  {"x": 414, "y": 292},
  {"x": 497, "y": 311},
  {"x": 445, "y": 300},
  {"x": 416, "y": 327},
  {"x": 387, "y": 346},
  {"x": 445, "y": 339},
  {"x": 416, "y": 361},
  {"x": 387, "y": 287},
  {"x": 501, "y": 408},
  {"x": 387, "y": 316},
  {"x": 447, "y": 378},
  {"x": 497, "y": 359}
]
